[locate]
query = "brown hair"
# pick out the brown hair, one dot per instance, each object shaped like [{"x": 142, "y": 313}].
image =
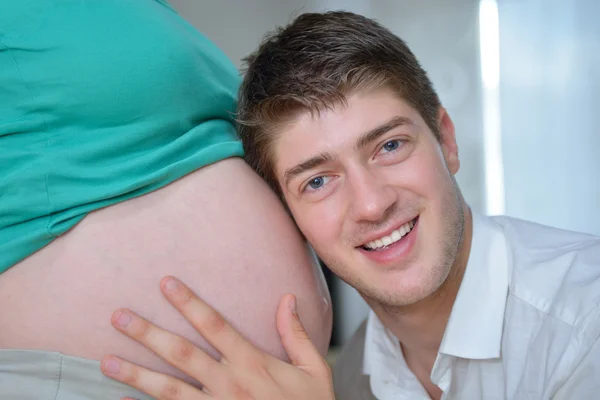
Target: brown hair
[{"x": 313, "y": 64}]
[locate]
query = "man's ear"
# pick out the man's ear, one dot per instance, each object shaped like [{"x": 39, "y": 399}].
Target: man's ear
[{"x": 448, "y": 140}]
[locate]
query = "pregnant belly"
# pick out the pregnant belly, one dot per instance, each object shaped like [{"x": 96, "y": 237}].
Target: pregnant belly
[{"x": 219, "y": 229}]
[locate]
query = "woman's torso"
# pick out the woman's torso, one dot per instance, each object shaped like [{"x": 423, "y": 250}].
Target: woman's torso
[
  {"x": 97, "y": 131},
  {"x": 220, "y": 229}
]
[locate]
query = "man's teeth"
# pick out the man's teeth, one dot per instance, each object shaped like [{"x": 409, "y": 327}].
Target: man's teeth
[{"x": 391, "y": 238}]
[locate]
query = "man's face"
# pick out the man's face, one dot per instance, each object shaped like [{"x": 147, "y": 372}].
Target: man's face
[{"x": 373, "y": 191}]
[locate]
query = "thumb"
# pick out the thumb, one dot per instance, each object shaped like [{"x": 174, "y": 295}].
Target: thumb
[{"x": 300, "y": 349}]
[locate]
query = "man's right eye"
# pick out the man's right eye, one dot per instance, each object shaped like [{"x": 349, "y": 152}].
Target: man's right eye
[{"x": 315, "y": 183}]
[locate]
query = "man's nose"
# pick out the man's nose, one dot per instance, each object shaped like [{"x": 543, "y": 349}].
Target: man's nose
[{"x": 370, "y": 196}]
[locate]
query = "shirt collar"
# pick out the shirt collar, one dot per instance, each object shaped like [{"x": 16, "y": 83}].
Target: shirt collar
[
  {"x": 474, "y": 330},
  {"x": 384, "y": 362},
  {"x": 381, "y": 346}
]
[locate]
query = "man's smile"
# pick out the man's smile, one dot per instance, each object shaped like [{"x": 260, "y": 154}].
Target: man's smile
[
  {"x": 386, "y": 240},
  {"x": 396, "y": 251}
]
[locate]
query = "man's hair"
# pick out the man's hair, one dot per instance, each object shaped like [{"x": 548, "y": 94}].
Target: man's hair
[{"x": 315, "y": 63}]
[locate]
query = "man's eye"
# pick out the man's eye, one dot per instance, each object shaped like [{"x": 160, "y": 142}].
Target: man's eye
[
  {"x": 315, "y": 183},
  {"x": 391, "y": 145}
]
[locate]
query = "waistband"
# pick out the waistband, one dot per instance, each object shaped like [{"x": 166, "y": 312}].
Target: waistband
[{"x": 41, "y": 375}]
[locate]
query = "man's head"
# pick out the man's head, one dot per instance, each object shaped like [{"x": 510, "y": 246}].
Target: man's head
[{"x": 337, "y": 115}]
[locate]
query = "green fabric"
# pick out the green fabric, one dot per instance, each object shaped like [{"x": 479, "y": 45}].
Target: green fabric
[{"x": 101, "y": 101}]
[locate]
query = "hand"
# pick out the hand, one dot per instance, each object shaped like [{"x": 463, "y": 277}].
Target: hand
[{"x": 244, "y": 371}]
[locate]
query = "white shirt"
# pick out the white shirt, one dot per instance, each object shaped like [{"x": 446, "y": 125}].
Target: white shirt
[{"x": 525, "y": 324}]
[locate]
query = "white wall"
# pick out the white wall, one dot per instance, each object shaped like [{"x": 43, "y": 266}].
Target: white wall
[
  {"x": 550, "y": 100},
  {"x": 237, "y": 26}
]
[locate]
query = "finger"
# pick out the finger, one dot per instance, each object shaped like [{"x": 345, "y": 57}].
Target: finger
[
  {"x": 207, "y": 321},
  {"x": 177, "y": 351},
  {"x": 300, "y": 349},
  {"x": 157, "y": 385}
]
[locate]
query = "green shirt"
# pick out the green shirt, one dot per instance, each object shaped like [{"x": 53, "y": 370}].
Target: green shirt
[{"x": 101, "y": 101}]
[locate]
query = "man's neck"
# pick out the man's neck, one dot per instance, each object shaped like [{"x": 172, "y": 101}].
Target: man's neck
[{"x": 420, "y": 327}]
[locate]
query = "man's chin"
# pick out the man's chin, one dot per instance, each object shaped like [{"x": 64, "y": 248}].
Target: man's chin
[{"x": 397, "y": 296}]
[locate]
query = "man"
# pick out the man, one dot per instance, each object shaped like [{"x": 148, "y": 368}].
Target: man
[{"x": 339, "y": 118}]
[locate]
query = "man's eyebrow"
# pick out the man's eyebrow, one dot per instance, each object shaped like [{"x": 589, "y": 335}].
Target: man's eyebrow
[
  {"x": 375, "y": 133},
  {"x": 307, "y": 165}
]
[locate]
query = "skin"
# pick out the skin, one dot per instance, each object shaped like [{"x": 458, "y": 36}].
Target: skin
[
  {"x": 355, "y": 173},
  {"x": 243, "y": 372},
  {"x": 213, "y": 228}
]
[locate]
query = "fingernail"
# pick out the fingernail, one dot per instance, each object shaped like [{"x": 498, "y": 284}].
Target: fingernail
[
  {"x": 112, "y": 366},
  {"x": 293, "y": 306},
  {"x": 171, "y": 284},
  {"x": 123, "y": 319}
]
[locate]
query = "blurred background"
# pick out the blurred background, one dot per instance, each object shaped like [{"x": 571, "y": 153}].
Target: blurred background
[{"x": 520, "y": 78}]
